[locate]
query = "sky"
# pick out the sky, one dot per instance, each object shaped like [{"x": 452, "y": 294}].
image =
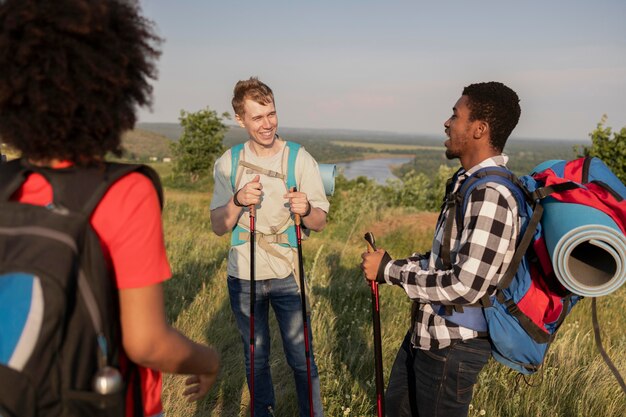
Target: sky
[{"x": 394, "y": 65}]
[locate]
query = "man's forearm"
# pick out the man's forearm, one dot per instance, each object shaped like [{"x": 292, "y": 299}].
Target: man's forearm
[
  {"x": 224, "y": 218},
  {"x": 316, "y": 220}
]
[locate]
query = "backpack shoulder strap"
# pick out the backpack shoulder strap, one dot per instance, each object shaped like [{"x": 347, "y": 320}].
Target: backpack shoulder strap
[
  {"x": 291, "y": 164},
  {"x": 292, "y": 154},
  {"x": 457, "y": 201},
  {"x": 81, "y": 188},
  {"x": 12, "y": 176},
  {"x": 450, "y": 201},
  {"x": 113, "y": 173},
  {"x": 499, "y": 175},
  {"x": 504, "y": 176},
  {"x": 235, "y": 155},
  {"x": 75, "y": 188}
]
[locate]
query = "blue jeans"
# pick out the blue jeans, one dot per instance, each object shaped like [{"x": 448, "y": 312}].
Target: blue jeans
[
  {"x": 435, "y": 383},
  {"x": 284, "y": 297}
]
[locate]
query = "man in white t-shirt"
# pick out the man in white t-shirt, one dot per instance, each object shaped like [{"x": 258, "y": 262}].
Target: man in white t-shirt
[{"x": 256, "y": 175}]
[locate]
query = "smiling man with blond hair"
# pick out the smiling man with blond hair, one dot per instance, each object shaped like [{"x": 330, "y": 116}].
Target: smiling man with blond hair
[{"x": 259, "y": 174}]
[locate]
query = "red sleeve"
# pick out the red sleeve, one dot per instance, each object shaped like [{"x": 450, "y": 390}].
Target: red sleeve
[{"x": 128, "y": 222}]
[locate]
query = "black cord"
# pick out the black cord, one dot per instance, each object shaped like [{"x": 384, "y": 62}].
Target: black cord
[{"x": 605, "y": 356}]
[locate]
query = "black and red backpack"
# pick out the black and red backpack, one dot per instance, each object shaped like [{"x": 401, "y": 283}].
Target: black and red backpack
[{"x": 59, "y": 314}]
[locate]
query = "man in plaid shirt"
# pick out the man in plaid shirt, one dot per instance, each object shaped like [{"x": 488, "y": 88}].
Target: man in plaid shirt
[{"x": 439, "y": 361}]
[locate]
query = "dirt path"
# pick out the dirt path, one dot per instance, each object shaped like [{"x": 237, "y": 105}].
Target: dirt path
[{"x": 417, "y": 222}]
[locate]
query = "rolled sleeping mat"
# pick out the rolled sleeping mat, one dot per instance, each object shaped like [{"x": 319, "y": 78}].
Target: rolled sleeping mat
[
  {"x": 586, "y": 246},
  {"x": 328, "y": 173}
]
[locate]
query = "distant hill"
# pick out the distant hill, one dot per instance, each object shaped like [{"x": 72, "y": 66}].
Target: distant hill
[
  {"x": 169, "y": 130},
  {"x": 322, "y": 144},
  {"x": 141, "y": 145},
  {"x": 237, "y": 134}
]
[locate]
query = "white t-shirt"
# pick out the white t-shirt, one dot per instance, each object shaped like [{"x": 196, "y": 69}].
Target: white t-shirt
[{"x": 273, "y": 209}]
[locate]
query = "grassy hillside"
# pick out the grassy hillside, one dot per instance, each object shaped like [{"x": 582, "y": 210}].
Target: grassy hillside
[
  {"x": 169, "y": 130},
  {"x": 141, "y": 145},
  {"x": 574, "y": 382}
]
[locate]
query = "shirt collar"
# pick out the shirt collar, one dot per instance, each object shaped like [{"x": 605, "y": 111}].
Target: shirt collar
[{"x": 494, "y": 161}]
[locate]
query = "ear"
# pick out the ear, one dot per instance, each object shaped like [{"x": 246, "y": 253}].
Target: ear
[
  {"x": 481, "y": 129},
  {"x": 240, "y": 121}
]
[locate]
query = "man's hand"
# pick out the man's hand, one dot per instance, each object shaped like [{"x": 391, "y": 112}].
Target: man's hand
[
  {"x": 298, "y": 203},
  {"x": 371, "y": 263},
  {"x": 250, "y": 194}
]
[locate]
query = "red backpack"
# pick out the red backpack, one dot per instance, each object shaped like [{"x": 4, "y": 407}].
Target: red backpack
[{"x": 561, "y": 255}]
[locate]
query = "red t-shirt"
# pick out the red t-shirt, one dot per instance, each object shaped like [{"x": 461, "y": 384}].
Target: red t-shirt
[{"x": 128, "y": 223}]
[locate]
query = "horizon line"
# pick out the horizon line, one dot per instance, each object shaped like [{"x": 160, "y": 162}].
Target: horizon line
[{"x": 386, "y": 132}]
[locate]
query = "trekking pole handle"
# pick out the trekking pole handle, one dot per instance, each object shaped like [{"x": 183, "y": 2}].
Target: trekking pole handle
[
  {"x": 371, "y": 241},
  {"x": 296, "y": 217}
]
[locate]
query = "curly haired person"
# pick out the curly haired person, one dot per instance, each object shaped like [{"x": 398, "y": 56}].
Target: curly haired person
[{"x": 72, "y": 73}]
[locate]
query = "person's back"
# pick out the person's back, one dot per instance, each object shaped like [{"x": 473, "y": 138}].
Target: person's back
[
  {"x": 127, "y": 229},
  {"x": 98, "y": 57}
]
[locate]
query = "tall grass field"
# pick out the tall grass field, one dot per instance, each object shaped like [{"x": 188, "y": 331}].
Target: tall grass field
[{"x": 574, "y": 382}]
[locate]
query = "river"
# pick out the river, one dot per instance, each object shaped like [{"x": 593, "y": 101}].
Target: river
[{"x": 378, "y": 169}]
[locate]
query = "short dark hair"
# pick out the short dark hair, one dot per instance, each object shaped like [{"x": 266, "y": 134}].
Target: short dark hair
[
  {"x": 72, "y": 73},
  {"x": 496, "y": 104},
  {"x": 250, "y": 89}
]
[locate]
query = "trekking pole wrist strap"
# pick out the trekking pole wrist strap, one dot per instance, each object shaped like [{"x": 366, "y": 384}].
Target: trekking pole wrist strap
[
  {"x": 308, "y": 210},
  {"x": 236, "y": 200}
]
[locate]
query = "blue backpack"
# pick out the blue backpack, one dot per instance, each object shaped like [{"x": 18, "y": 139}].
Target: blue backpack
[
  {"x": 290, "y": 180},
  {"x": 531, "y": 300}
]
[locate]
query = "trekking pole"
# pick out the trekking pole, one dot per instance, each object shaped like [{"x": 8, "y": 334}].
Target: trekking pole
[
  {"x": 252, "y": 302},
  {"x": 307, "y": 351},
  {"x": 378, "y": 348}
]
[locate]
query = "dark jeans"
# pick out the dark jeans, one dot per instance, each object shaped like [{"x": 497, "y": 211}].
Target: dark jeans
[{"x": 435, "y": 383}]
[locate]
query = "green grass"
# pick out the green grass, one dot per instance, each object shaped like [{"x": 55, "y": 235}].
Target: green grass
[{"x": 574, "y": 381}]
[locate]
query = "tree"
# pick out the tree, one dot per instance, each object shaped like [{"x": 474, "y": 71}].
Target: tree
[
  {"x": 200, "y": 144},
  {"x": 612, "y": 151}
]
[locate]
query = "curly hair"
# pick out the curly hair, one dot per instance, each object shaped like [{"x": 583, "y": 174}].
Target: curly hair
[
  {"x": 72, "y": 73},
  {"x": 251, "y": 89},
  {"x": 496, "y": 104}
]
